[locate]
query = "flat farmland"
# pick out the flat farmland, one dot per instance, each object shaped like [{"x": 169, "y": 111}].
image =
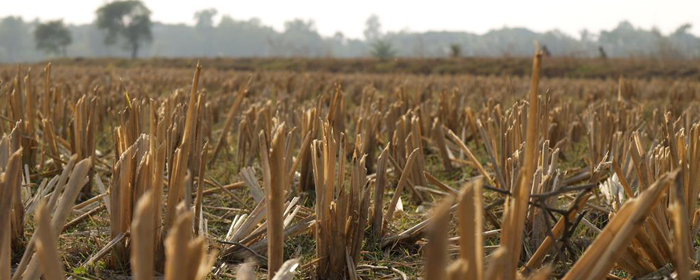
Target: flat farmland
[{"x": 467, "y": 168}]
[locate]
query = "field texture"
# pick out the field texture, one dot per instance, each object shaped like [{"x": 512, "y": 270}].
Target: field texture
[{"x": 359, "y": 169}]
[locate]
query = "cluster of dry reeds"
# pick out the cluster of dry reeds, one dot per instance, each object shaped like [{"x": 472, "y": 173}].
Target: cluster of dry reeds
[
  {"x": 139, "y": 171},
  {"x": 645, "y": 233}
]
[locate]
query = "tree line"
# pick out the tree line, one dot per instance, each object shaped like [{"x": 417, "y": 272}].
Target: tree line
[{"x": 125, "y": 29}]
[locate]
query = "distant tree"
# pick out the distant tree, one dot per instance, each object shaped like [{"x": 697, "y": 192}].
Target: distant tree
[
  {"x": 455, "y": 50},
  {"x": 129, "y": 20},
  {"x": 205, "y": 18},
  {"x": 665, "y": 48},
  {"x": 334, "y": 45},
  {"x": 383, "y": 50},
  {"x": 626, "y": 40},
  {"x": 419, "y": 45},
  {"x": 683, "y": 30},
  {"x": 204, "y": 28},
  {"x": 585, "y": 35},
  {"x": 373, "y": 29},
  {"x": 243, "y": 38},
  {"x": 13, "y": 39},
  {"x": 52, "y": 37},
  {"x": 338, "y": 37},
  {"x": 300, "y": 26},
  {"x": 686, "y": 43},
  {"x": 300, "y": 38},
  {"x": 601, "y": 53}
]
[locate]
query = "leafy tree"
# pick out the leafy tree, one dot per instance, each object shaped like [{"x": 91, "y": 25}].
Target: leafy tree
[
  {"x": 204, "y": 27},
  {"x": 373, "y": 29},
  {"x": 626, "y": 40},
  {"x": 13, "y": 38},
  {"x": 52, "y": 37},
  {"x": 242, "y": 37},
  {"x": 455, "y": 50},
  {"x": 205, "y": 18},
  {"x": 300, "y": 38},
  {"x": 683, "y": 29},
  {"x": 686, "y": 43},
  {"x": 383, "y": 50},
  {"x": 601, "y": 53},
  {"x": 129, "y": 20}
]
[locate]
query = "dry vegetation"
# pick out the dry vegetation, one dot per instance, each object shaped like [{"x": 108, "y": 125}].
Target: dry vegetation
[
  {"x": 111, "y": 172},
  {"x": 558, "y": 66}
]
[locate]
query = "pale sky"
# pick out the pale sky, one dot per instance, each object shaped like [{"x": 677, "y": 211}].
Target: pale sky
[{"x": 569, "y": 16}]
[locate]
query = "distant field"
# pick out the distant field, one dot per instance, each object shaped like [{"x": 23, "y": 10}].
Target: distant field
[{"x": 551, "y": 67}]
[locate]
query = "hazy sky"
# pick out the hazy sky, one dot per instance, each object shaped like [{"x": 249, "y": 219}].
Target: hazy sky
[{"x": 348, "y": 17}]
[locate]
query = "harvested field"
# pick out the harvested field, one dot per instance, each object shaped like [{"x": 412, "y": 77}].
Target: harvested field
[{"x": 112, "y": 170}]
